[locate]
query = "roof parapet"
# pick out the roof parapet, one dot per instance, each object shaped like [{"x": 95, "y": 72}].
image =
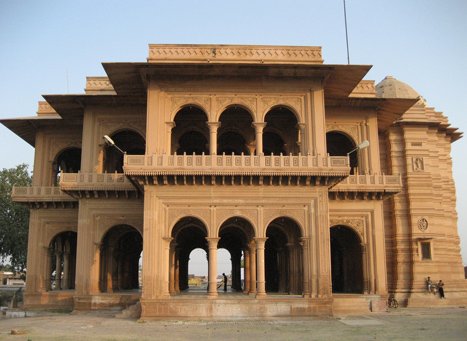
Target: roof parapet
[
  {"x": 170, "y": 53},
  {"x": 44, "y": 108},
  {"x": 366, "y": 88},
  {"x": 99, "y": 86}
]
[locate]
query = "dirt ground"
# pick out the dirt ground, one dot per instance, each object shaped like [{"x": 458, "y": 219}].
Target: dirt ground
[{"x": 401, "y": 324}]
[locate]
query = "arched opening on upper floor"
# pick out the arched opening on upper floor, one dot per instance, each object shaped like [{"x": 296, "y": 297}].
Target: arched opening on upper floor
[
  {"x": 339, "y": 144},
  {"x": 188, "y": 234},
  {"x": 120, "y": 254},
  {"x": 281, "y": 133},
  {"x": 236, "y": 134},
  {"x": 283, "y": 257},
  {"x": 346, "y": 260},
  {"x": 191, "y": 133},
  {"x": 236, "y": 234},
  {"x": 61, "y": 266},
  {"x": 67, "y": 161},
  {"x": 128, "y": 141}
]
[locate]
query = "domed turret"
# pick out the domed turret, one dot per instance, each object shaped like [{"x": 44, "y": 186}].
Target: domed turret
[{"x": 390, "y": 87}]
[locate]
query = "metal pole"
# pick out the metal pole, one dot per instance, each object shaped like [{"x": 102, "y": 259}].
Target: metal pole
[{"x": 346, "y": 35}]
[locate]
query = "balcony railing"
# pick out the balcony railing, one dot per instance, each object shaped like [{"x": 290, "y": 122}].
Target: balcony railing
[
  {"x": 380, "y": 184},
  {"x": 156, "y": 164},
  {"x": 40, "y": 194},
  {"x": 95, "y": 182}
]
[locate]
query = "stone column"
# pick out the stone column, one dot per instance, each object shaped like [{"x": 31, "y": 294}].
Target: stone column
[
  {"x": 304, "y": 242},
  {"x": 252, "y": 268},
  {"x": 172, "y": 261},
  {"x": 261, "y": 283},
  {"x": 213, "y": 126},
  {"x": 246, "y": 271},
  {"x": 236, "y": 270},
  {"x": 177, "y": 270},
  {"x": 58, "y": 270},
  {"x": 212, "y": 271},
  {"x": 301, "y": 128},
  {"x": 169, "y": 126},
  {"x": 366, "y": 280},
  {"x": 66, "y": 270},
  {"x": 259, "y": 126},
  {"x": 48, "y": 277}
]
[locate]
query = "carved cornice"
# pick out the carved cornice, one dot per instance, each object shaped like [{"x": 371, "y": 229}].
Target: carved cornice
[{"x": 234, "y": 54}]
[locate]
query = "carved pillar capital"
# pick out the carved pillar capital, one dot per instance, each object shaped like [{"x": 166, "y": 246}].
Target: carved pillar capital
[
  {"x": 213, "y": 126},
  {"x": 259, "y": 126},
  {"x": 212, "y": 242},
  {"x": 260, "y": 241}
]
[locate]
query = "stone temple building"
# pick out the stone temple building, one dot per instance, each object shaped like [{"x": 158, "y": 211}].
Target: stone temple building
[{"x": 329, "y": 193}]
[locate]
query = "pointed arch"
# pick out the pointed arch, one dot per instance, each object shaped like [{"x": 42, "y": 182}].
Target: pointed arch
[
  {"x": 190, "y": 133},
  {"x": 120, "y": 253},
  {"x": 284, "y": 256},
  {"x": 281, "y": 133},
  {"x": 68, "y": 160},
  {"x": 346, "y": 260},
  {"x": 128, "y": 140},
  {"x": 339, "y": 143}
]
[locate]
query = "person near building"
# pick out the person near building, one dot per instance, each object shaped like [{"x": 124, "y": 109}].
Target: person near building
[
  {"x": 225, "y": 282},
  {"x": 441, "y": 289}
]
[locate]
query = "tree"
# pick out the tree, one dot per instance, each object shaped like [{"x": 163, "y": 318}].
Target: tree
[{"x": 14, "y": 218}]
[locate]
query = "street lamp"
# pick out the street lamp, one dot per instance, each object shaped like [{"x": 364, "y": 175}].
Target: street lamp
[
  {"x": 111, "y": 143},
  {"x": 362, "y": 145}
]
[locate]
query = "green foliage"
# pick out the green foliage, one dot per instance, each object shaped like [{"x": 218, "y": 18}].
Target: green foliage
[{"x": 14, "y": 218}]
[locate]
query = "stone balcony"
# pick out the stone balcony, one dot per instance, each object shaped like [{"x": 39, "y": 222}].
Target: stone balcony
[
  {"x": 42, "y": 197},
  {"x": 366, "y": 186},
  {"x": 96, "y": 185},
  {"x": 236, "y": 169}
]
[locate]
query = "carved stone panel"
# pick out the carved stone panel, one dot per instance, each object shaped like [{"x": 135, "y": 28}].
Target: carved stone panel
[{"x": 356, "y": 223}]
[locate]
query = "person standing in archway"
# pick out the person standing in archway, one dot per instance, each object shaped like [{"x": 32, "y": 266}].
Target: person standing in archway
[{"x": 225, "y": 282}]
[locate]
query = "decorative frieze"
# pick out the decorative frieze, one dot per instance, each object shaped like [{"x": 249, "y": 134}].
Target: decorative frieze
[{"x": 161, "y": 53}]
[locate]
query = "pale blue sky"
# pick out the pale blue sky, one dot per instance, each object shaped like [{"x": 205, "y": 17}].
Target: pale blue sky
[{"x": 49, "y": 47}]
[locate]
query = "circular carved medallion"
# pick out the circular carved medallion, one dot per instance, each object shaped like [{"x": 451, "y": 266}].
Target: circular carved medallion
[{"x": 422, "y": 224}]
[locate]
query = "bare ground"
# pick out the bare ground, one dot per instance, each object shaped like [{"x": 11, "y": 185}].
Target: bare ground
[{"x": 401, "y": 324}]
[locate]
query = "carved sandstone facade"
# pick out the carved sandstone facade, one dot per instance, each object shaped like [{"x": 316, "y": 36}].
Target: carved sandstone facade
[{"x": 254, "y": 149}]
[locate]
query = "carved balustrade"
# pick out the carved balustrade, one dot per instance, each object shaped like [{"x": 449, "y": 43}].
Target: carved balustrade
[
  {"x": 42, "y": 196},
  {"x": 95, "y": 184},
  {"x": 366, "y": 186}
]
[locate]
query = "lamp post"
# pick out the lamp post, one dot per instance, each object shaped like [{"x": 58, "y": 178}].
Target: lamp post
[
  {"x": 111, "y": 143},
  {"x": 362, "y": 145}
]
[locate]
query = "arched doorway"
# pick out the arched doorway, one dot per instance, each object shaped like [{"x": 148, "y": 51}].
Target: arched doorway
[
  {"x": 339, "y": 144},
  {"x": 62, "y": 262},
  {"x": 191, "y": 133},
  {"x": 236, "y": 234},
  {"x": 346, "y": 260},
  {"x": 67, "y": 161},
  {"x": 120, "y": 254},
  {"x": 283, "y": 257},
  {"x": 280, "y": 134},
  {"x": 127, "y": 140},
  {"x": 188, "y": 234},
  {"x": 236, "y": 134}
]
